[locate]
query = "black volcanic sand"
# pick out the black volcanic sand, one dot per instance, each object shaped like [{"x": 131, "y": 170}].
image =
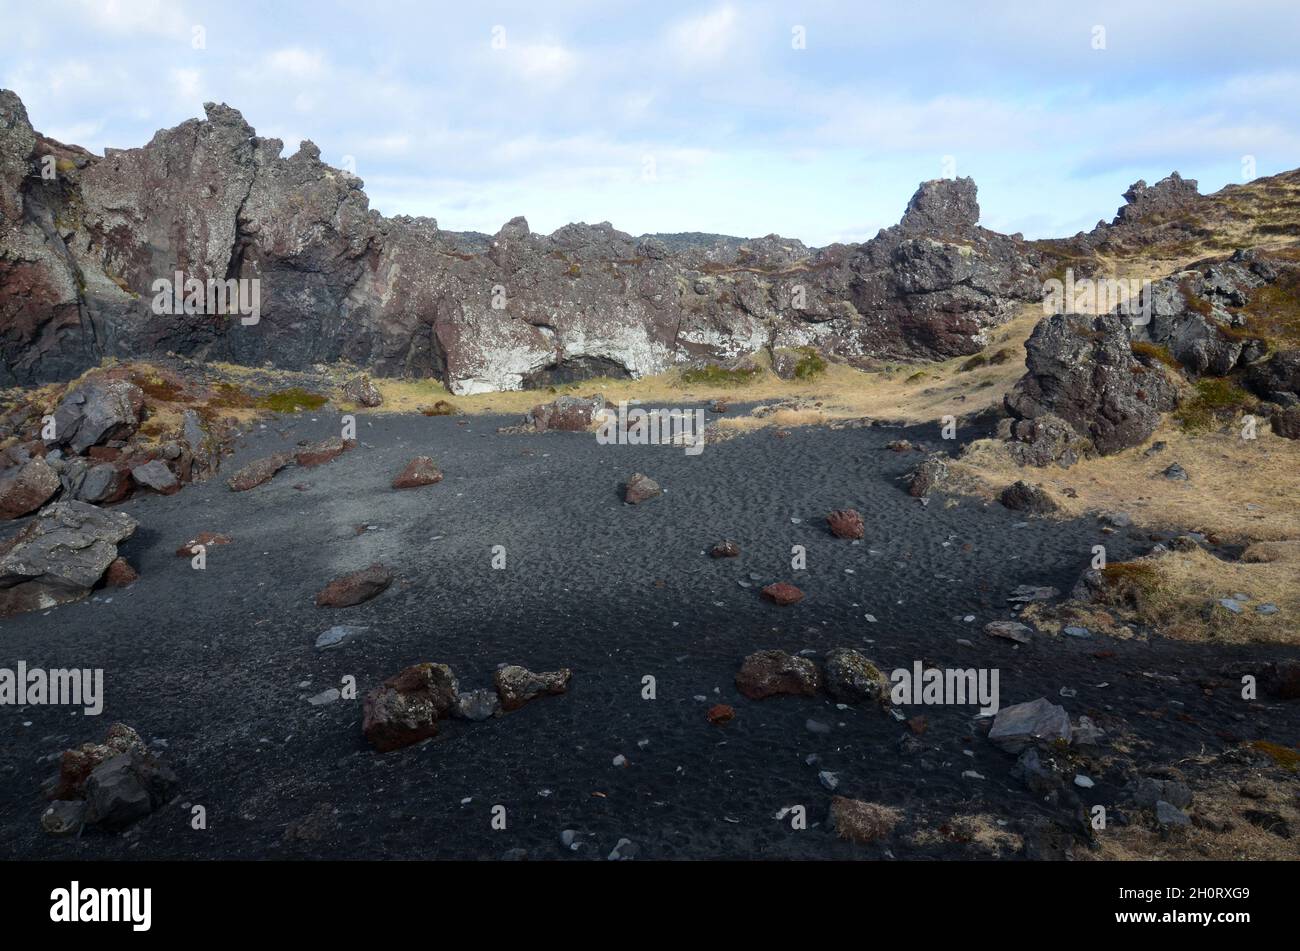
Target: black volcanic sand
[{"x": 214, "y": 667}]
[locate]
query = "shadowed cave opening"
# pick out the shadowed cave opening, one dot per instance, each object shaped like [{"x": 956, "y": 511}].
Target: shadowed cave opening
[{"x": 575, "y": 370}]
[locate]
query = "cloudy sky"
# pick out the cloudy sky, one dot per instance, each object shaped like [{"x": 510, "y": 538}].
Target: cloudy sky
[{"x": 811, "y": 119}]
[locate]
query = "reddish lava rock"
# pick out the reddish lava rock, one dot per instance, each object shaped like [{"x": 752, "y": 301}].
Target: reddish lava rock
[
  {"x": 406, "y": 708},
  {"x": 419, "y": 471},
  {"x": 206, "y": 539},
  {"x": 640, "y": 488},
  {"x": 846, "y": 523},
  {"x": 721, "y": 713},
  {"x": 782, "y": 594},
  {"x": 258, "y": 471},
  {"x": 318, "y": 453},
  {"x": 354, "y": 588},
  {"x": 120, "y": 574},
  {"x": 27, "y": 489},
  {"x": 772, "y": 673}
]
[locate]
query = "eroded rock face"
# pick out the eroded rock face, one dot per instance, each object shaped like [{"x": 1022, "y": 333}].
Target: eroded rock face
[
  {"x": 1081, "y": 369},
  {"x": 400, "y": 296},
  {"x": 59, "y": 555}
]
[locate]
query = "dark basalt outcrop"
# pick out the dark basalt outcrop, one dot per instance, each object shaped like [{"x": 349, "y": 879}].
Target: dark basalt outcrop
[
  {"x": 81, "y": 250},
  {"x": 1082, "y": 369}
]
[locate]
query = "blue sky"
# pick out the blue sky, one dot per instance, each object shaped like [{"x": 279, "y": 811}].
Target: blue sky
[{"x": 693, "y": 116}]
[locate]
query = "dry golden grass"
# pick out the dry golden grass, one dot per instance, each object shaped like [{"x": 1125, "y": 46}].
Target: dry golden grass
[
  {"x": 1176, "y": 592},
  {"x": 1222, "y": 802},
  {"x": 1239, "y": 490},
  {"x": 980, "y": 833}
]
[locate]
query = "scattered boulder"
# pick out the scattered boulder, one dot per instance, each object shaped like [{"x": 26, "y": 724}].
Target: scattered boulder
[
  {"x": 846, "y": 523},
  {"x": 258, "y": 471},
  {"x": 355, "y": 588},
  {"x": 477, "y": 705},
  {"x": 127, "y": 788},
  {"x": 76, "y": 765},
  {"x": 1020, "y": 496},
  {"x": 406, "y": 707},
  {"x": 929, "y": 475},
  {"x": 59, "y": 555},
  {"x": 1081, "y": 369},
  {"x": 96, "y": 412},
  {"x": 782, "y": 594},
  {"x": 1037, "y": 723},
  {"x": 862, "y": 822},
  {"x": 117, "y": 782},
  {"x": 419, "y": 471},
  {"x": 518, "y": 685},
  {"x": 567, "y": 413},
  {"x": 725, "y": 549},
  {"x": 120, "y": 574},
  {"x": 339, "y": 635},
  {"x": 852, "y": 678},
  {"x": 319, "y": 453},
  {"x": 1024, "y": 593},
  {"x": 721, "y": 713},
  {"x": 1010, "y": 630},
  {"x": 361, "y": 391},
  {"x": 772, "y": 673},
  {"x": 1047, "y": 440},
  {"x": 27, "y": 488},
  {"x": 640, "y": 488},
  {"x": 1287, "y": 423},
  {"x": 1175, "y": 473},
  {"x": 1169, "y": 816},
  {"x": 155, "y": 475}
]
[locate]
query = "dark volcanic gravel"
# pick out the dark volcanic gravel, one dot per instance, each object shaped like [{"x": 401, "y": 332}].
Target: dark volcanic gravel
[{"x": 215, "y": 667}]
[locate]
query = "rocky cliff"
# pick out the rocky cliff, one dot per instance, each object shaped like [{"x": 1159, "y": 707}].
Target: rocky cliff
[{"x": 83, "y": 239}]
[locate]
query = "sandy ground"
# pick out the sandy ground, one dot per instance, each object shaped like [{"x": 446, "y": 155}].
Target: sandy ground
[{"x": 215, "y": 667}]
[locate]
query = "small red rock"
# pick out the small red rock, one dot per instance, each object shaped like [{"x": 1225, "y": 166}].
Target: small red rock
[
  {"x": 354, "y": 588},
  {"x": 721, "y": 713},
  {"x": 258, "y": 471},
  {"x": 206, "y": 539},
  {"x": 120, "y": 574},
  {"x": 782, "y": 594},
  {"x": 846, "y": 523},
  {"x": 318, "y": 453},
  {"x": 419, "y": 471}
]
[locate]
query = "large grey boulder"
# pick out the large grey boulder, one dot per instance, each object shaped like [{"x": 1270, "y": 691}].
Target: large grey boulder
[
  {"x": 1036, "y": 723},
  {"x": 97, "y": 412},
  {"x": 1081, "y": 368},
  {"x": 59, "y": 555}
]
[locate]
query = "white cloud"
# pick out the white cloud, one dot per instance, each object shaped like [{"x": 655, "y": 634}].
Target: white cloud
[
  {"x": 296, "y": 62},
  {"x": 706, "y": 39},
  {"x": 545, "y": 62}
]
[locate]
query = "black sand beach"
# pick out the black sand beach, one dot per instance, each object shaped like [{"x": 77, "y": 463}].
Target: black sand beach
[{"x": 214, "y": 667}]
